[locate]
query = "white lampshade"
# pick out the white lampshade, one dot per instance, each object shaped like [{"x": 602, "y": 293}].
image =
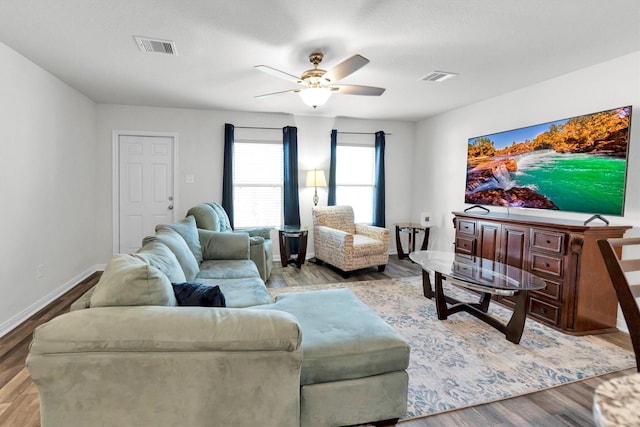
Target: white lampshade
[
  {"x": 315, "y": 178},
  {"x": 315, "y": 96}
]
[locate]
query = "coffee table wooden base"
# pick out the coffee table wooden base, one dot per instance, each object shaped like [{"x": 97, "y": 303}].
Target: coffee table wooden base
[{"x": 447, "y": 305}]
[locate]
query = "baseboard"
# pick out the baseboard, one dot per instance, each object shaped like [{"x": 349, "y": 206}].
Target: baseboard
[{"x": 15, "y": 321}]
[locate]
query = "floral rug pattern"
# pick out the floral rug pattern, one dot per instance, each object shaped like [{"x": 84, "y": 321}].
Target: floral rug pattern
[{"x": 461, "y": 361}]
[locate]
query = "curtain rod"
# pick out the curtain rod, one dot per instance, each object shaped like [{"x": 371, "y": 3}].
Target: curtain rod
[
  {"x": 256, "y": 127},
  {"x": 348, "y": 133},
  {"x": 362, "y": 133}
]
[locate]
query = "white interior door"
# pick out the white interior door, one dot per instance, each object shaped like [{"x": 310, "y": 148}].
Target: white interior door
[{"x": 145, "y": 187}]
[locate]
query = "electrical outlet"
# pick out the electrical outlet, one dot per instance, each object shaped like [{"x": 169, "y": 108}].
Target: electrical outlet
[{"x": 40, "y": 271}]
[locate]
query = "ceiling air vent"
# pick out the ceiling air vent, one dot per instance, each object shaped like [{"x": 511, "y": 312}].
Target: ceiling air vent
[
  {"x": 438, "y": 76},
  {"x": 147, "y": 44}
]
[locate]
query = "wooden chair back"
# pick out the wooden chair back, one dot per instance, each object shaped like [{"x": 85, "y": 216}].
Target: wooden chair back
[{"x": 621, "y": 272}]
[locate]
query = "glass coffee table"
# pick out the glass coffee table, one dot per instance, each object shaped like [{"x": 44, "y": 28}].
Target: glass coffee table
[{"x": 485, "y": 276}]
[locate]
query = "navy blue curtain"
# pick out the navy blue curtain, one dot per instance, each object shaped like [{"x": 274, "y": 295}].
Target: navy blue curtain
[
  {"x": 331, "y": 197},
  {"x": 227, "y": 172},
  {"x": 378, "y": 186},
  {"x": 291, "y": 199}
]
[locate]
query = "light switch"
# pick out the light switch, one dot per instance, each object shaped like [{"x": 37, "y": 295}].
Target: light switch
[{"x": 190, "y": 179}]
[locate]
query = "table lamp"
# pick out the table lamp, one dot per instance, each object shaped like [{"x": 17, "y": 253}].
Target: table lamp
[{"x": 315, "y": 179}]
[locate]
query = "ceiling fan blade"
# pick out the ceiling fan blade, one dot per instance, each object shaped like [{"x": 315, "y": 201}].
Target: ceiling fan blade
[
  {"x": 276, "y": 93},
  {"x": 357, "y": 90},
  {"x": 345, "y": 68},
  {"x": 280, "y": 74}
]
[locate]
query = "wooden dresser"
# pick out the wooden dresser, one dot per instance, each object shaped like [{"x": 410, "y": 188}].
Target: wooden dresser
[{"x": 579, "y": 298}]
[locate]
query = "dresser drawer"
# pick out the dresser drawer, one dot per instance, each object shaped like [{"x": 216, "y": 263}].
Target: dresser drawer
[
  {"x": 546, "y": 264},
  {"x": 553, "y": 290},
  {"x": 547, "y": 240},
  {"x": 465, "y": 245},
  {"x": 465, "y": 226},
  {"x": 544, "y": 311}
]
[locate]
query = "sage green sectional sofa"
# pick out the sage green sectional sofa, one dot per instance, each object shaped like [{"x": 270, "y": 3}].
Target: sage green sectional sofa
[{"x": 127, "y": 355}]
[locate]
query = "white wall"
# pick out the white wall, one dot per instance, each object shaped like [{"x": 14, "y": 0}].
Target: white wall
[
  {"x": 200, "y": 152},
  {"x": 47, "y": 158},
  {"x": 439, "y": 164}
]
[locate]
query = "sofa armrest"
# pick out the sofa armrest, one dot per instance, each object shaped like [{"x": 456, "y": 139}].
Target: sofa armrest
[
  {"x": 378, "y": 233},
  {"x": 265, "y": 233},
  {"x": 168, "y": 366},
  {"x": 167, "y": 329},
  {"x": 221, "y": 245}
]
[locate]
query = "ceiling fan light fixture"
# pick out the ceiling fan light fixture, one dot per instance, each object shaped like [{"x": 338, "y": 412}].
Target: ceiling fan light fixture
[{"x": 315, "y": 96}]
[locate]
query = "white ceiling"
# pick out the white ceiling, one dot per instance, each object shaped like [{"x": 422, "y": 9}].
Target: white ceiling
[{"x": 496, "y": 46}]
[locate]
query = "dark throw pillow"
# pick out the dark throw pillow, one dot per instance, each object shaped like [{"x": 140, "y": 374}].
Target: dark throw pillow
[{"x": 197, "y": 294}]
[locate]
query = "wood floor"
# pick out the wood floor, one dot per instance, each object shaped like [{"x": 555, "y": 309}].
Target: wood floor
[{"x": 568, "y": 405}]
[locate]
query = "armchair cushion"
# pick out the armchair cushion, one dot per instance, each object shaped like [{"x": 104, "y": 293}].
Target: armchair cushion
[
  {"x": 179, "y": 247},
  {"x": 197, "y": 294},
  {"x": 129, "y": 281},
  {"x": 189, "y": 232},
  {"x": 218, "y": 245},
  {"x": 225, "y": 224},
  {"x": 206, "y": 218}
]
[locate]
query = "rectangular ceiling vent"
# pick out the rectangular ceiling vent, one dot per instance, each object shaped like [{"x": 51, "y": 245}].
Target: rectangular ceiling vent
[
  {"x": 147, "y": 44},
  {"x": 438, "y": 76}
]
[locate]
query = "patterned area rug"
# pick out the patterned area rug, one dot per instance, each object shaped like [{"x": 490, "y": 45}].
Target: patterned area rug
[{"x": 461, "y": 361}]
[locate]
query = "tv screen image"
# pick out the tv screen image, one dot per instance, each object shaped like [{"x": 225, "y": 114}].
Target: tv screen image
[{"x": 576, "y": 165}]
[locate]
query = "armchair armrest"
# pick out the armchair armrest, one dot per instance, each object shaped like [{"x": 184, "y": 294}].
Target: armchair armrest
[
  {"x": 378, "y": 233},
  {"x": 265, "y": 233},
  {"x": 221, "y": 245},
  {"x": 333, "y": 236}
]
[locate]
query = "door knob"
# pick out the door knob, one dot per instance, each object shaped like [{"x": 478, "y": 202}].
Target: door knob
[
  {"x": 170, "y": 207},
  {"x": 170, "y": 198}
]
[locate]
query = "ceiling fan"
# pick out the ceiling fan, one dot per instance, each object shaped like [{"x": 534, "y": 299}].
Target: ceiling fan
[{"x": 320, "y": 84}]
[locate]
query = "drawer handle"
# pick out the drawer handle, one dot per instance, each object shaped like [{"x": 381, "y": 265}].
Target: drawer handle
[
  {"x": 548, "y": 241},
  {"x": 546, "y": 264},
  {"x": 543, "y": 310}
]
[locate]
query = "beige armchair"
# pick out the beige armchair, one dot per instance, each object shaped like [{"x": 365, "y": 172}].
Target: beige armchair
[{"x": 338, "y": 241}]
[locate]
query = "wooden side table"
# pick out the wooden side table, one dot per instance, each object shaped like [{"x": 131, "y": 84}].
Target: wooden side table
[
  {"x": 412, "y": 229},
  {"x": 286, "y": 232}
]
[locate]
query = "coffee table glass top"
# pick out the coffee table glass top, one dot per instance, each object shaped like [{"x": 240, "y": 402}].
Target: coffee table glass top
[{"x": 478, "y": 272}]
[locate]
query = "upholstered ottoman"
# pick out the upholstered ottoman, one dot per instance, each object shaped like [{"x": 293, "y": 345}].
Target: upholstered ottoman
[{"x": 353, "y": 367}]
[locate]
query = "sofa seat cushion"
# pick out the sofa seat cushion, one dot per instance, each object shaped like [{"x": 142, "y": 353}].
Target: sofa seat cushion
[
  {"x": 364, "y": 245},
  {"x": 341, "y": 337},
  {"x": 129, "y": 281},
  {"x": 240, "y": 293},
  {"x": 228, "y": 269}
]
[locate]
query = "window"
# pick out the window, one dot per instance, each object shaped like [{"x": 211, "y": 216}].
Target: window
[
  {"x": 355, "y": 177},
  {"x": 257, "y": 183}
]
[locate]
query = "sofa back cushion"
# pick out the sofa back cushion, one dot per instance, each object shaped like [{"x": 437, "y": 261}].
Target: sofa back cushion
[
  {"x": 187, "y": 229},
  {"x": 178, "y": 246},
  {"x": 206, "y": 218},
  {"x": 129, "y": 281},
  {"x": 160, "y": 256}
]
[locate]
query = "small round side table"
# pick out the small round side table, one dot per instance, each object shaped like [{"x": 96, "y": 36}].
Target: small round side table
[
  {"x": 412, "y": 229},
  {"x": 286, "y": 232}
]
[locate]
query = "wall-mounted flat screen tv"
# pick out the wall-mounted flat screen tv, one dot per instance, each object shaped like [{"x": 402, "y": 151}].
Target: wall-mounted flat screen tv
[{"x": 574, "y": 165}]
